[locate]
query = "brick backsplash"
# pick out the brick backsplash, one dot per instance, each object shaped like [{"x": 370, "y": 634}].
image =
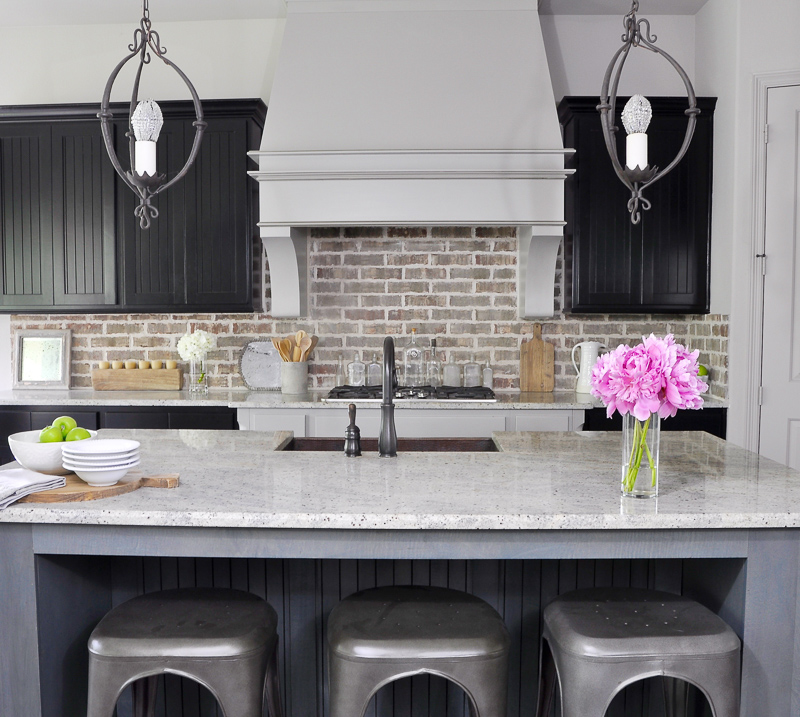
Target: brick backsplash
[{"x": 457, "y": 284}]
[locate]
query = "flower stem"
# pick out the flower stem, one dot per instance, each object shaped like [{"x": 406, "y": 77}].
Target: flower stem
[{"x": 638, "y": 449}]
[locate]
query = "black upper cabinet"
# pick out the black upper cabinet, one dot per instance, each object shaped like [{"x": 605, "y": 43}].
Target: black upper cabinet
[
  {"x": 70, "y": 240},
  {"x": 26, "y": 224},
  {"x": 660, "y": 265}
]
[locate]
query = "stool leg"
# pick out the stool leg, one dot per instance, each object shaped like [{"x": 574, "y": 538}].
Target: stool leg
[
  {"x": 103, "y": 690},
  {"x": 485, "y": 680},
  {"x": 547, "y": 681},
  {"x": 724, "y": 701},
  {"x": 352, "y": 684},
  {"x": 273, "y": 689},
  {"x": 144, "y": 696}
]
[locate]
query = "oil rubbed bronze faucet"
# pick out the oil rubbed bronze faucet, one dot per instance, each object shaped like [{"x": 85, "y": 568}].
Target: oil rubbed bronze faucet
[{"x": 387, "y": 440}]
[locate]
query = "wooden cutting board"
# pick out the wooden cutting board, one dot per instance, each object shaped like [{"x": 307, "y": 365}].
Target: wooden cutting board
[
  {"x": 137, "y": 379},
  {"x": 76, "y": 490},
  {"x": 536, "y": 363}
]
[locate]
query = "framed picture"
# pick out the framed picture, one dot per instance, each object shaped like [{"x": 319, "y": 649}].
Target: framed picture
[{"x": 42, "y": 359}]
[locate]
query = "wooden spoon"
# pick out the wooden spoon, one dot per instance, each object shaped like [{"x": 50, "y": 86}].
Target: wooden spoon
[
  {"x": 304, "y": 346},
  {"x": 296, "y": 354},
  {"x": 314, "y": 341},
  {"x": 277, "y": 344},
  {"x": 286, "y": 350},
  {"x": 299, "y": 336}
]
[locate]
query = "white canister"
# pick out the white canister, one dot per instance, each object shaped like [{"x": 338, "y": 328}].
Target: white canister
[{"x": 294, "y": 377}]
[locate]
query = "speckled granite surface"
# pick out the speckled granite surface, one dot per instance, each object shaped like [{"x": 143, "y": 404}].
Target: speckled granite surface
[
  {"x": 274, "y": 399},
  {"x": 558, "y": 481}
]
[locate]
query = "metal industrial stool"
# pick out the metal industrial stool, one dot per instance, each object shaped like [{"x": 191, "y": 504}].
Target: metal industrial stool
[
  {"x": 224, "y": 639},
  {"x": 379, "y": 635},
  {"x": 603, "y": 639}
]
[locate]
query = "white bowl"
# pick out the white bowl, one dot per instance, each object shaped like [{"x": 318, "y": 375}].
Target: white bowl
[
  {"x": 103, "y": 446},
  {"x": 104, "y": 458},
  {"x": 102, "y": 476},
  {"x": 127, "y": 463},
  {"x": 39, "y": 457}
]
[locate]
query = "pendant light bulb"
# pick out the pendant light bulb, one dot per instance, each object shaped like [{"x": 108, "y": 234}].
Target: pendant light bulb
[
  {"x": 146, "y": 122},
  {"x": 636, "y": 118},
  {"x": 637, "y": 114}
]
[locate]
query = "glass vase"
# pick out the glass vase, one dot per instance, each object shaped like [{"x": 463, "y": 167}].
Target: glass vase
[
  {"x": 640, "y": 446},
  {"x": 198, "y": 376}
]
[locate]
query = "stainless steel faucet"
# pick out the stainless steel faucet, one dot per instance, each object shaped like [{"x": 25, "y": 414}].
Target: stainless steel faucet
[{"x": 387, "y": 440}]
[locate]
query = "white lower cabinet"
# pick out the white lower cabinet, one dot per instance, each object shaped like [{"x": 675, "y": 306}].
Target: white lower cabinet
[{"x": 410, "y": 423}]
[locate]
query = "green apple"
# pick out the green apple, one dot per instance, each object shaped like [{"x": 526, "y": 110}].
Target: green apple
[
  {"x": 77, "y": 434},
  {"x": 65, "y": 423},
  {"x": 702, "y": 370},
  {"x": 51, "y": 434}
]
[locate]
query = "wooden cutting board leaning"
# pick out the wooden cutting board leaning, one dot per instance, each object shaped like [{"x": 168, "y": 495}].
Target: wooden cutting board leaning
[{"x": 536, "y": 363}]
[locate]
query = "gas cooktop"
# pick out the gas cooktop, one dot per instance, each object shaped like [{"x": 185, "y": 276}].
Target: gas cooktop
[{"x": 413, "y": 393}]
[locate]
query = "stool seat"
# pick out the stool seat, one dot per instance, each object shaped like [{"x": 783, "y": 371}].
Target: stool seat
[
  {"x": 608, "y": 623},
  {"x": 597, "y": 641},
  {"x": 379, "y": 635},
  {"x": 199, "y": 623},
  {"x": 403, "y": 622}
]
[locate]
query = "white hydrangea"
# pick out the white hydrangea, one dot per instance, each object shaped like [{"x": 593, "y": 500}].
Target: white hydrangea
[{"x": 194, "y": 347}]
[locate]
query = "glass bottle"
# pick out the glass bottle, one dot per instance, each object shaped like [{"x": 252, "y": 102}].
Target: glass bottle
[
  {"x": 356, "y": 371},
  {"x": 374, "y": 372},
  {"x": 488, "y": 377},
  {"x": 451, "y": 373},
  {"x": 340, "y": 380},
  {"x": 472, "y": 373},
  {"x": 415, "y": 373},
  {"x": 434, "y": 368}
]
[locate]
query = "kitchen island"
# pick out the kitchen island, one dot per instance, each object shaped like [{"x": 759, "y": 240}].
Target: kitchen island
[{"x": 516, "y": 527}]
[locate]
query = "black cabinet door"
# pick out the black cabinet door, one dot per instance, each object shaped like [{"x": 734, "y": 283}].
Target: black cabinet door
[
  {"x": 83, "y": 217},
  {"x": 26, "y": 216},
  {"x": 662, "y": 264},
  {"x": 151, "y": 269},
  {"x": 218, "y": 219}
]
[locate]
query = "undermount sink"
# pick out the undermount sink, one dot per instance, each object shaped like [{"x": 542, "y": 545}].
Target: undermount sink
[{"x": 404, "y": 445}]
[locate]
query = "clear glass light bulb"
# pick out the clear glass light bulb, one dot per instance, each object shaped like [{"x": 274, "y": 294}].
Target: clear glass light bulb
[
  {"x": 147, "y": 121},
  {"x": 637, "y": 114}
]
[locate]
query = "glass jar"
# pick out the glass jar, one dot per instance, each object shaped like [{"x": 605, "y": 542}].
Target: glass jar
[
  {"x": 640, "y": 447},
  {"x": 198, "y": 376}
]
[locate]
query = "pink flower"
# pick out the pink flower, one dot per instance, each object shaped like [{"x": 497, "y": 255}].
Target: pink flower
[{"x": 657, "y": 376}]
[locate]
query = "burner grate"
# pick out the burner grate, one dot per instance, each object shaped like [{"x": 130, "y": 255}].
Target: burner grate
[{"x": 440, "y": 393}]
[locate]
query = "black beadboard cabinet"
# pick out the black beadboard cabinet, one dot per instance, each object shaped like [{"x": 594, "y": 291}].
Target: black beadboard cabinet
[
  {"x": 660, "y": 265},
  {"x": 69, "y": 240}
]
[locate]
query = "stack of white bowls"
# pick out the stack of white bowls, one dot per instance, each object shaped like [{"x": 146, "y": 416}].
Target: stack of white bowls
[{"x": 102, "y": 461}]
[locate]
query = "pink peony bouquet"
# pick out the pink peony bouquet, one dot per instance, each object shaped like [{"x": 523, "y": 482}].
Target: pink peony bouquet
[{"x": 657, "y": 376}]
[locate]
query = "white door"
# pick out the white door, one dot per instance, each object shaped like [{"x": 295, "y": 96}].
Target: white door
[{"x": 780, "y": 371}]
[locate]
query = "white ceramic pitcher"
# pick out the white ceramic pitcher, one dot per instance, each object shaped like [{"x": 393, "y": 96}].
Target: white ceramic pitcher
[{"x": 590, "y": 350}]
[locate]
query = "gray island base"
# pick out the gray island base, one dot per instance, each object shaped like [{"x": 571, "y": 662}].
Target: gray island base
[{"x": 517, "y": 527}]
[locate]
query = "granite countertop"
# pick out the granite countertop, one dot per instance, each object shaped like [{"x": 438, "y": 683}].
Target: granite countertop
[
  {"x": 545, "y": 481},
  {"x": 241, "y": 398}
]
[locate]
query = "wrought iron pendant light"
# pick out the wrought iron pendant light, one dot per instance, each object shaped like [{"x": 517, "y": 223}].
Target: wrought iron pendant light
[
  {"x": 637, "y": 174},
  {"x": 144, "y": 124}
]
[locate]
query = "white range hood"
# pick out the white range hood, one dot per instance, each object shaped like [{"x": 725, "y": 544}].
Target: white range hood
[{"x": 411, "y": 112}]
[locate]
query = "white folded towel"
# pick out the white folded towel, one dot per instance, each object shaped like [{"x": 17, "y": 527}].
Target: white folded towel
[{"x": 16, "y": 483}]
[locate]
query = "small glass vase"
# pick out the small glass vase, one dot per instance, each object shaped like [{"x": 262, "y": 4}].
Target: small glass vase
[
  {"x": 198, "y": 376},
  {"x": 640, "y": 446}
]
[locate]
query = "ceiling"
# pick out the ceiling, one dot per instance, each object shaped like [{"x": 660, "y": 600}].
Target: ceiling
[
  {"x": 102, "y": 12},
  {"x": 619, "y": 7}
]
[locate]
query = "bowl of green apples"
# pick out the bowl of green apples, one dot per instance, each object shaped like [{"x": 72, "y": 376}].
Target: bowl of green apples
[{"x": 40, "y": 451}]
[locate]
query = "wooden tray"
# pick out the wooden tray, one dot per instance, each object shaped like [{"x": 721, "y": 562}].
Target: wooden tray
[
  {"x": 137, "y": 379},
  {"x": 536, "y": 363},
  {"x": 76, "y": 490}
]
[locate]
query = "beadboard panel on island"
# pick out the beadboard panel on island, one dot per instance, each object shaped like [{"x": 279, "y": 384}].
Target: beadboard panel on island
[{"x": 457, "y": 284}]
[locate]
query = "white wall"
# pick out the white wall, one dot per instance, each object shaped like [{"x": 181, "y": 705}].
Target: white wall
[
  {"x": 717, "y": 31},
  {"x": 579, "y": 48},
  {"x": 223, "y": 59}
]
